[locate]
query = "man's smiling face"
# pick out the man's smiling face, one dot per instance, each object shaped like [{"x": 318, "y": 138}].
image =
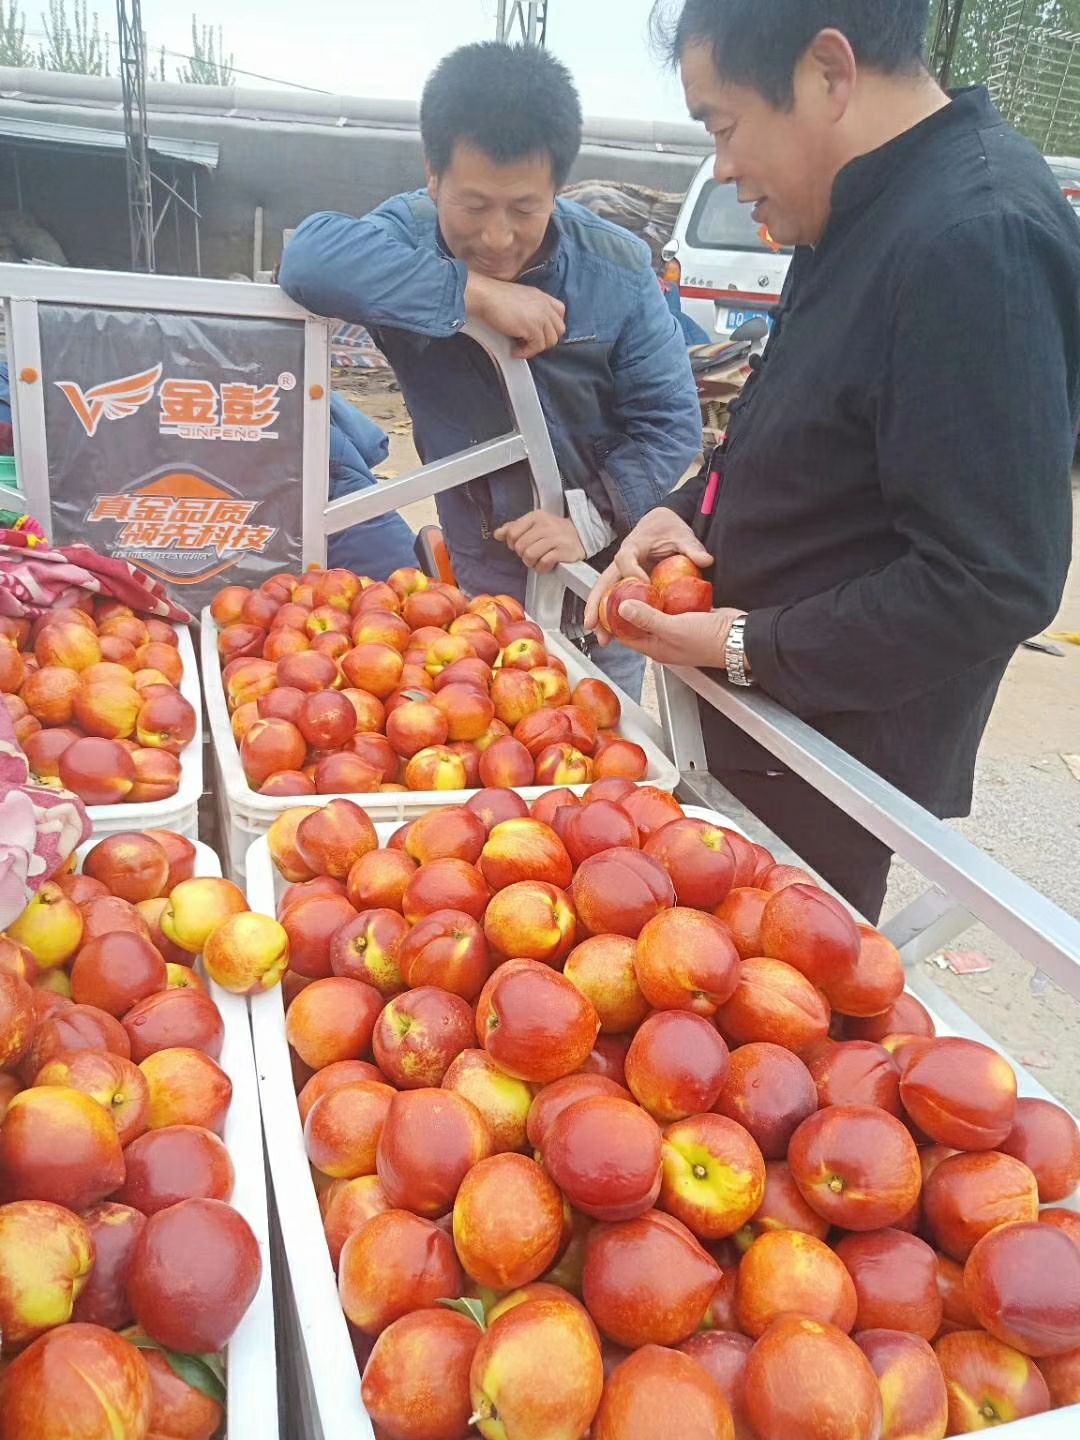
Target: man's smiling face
[{"x": 778, "y": 159}]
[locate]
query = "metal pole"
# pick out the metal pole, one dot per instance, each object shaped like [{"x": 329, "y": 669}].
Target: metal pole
[
  {"x": 131, "y": 46},
  {"x": 196, "y": 218},
  {"x": 524, "y": 20},
  {"x": 948, "y": 32}
]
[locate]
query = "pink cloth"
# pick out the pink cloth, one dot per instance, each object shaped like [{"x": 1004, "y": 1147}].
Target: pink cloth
[
  {"x": 35, "y": 577},
  {"x": 39, "y": 827}
]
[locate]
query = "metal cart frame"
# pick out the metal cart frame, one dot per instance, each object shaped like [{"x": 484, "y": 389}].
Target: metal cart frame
[{"x": 964, "y": 884}]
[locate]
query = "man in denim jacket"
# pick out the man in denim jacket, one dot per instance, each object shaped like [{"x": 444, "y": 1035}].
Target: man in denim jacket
[{"x": 488, "y": 238}]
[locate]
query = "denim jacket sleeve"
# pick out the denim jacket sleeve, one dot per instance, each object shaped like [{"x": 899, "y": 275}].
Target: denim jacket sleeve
[
  {"x": 656, "y": 407},
  {"x": 375, "y": 271}
]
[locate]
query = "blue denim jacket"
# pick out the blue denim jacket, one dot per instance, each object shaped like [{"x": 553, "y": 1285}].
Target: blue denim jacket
[{"x": 617, "y": 390}]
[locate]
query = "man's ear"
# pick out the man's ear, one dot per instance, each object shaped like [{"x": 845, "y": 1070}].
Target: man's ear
[
  {"x": 432, "y": 179},
  {"x": 834, "y": 68}
]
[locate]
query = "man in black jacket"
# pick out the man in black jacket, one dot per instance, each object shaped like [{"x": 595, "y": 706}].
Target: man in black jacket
[{"x": 894, "y": 513}]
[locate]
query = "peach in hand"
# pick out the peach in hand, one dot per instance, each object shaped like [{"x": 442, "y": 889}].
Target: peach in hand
[{"x": 611, "y": 602}]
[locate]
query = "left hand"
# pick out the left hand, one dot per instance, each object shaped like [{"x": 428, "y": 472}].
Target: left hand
[
  {"x": 695, "y": 641},
  {"x": 542, "y": 541}
]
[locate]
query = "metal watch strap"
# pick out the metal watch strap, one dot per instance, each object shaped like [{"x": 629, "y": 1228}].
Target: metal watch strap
[{"x": 738, "y": 670}]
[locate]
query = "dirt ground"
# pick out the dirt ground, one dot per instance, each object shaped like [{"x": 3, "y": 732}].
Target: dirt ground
[{"x": 1026, "y": 812}]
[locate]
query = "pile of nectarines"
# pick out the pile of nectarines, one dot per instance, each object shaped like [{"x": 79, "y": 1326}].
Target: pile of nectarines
[
  {"x": 114, "y": 1179},
  {"x": 91, "y": 689},
  {"x": 621, "y": 1129},
  {"x": 341, "y": 685}
]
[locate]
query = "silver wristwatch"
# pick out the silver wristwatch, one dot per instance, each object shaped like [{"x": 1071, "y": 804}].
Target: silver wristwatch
[{"x": 738, "y": 667}]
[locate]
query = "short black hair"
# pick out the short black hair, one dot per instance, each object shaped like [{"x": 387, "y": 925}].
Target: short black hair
[
  {"x": 508, "y": 101},
  {"x": 759, "y": 42}
]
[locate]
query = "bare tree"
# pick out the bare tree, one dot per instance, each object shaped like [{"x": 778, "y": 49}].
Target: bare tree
[
  {"x": 73, "y": 46},
  {"x": 13, "y": 47},
  {"x": 207, "y": 65}
]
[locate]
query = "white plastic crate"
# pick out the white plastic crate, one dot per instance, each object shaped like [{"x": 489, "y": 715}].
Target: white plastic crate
[
  {"x": 181, "y": 811},
  {"x": 251, "y": 1364},
  {"x": 245, "y": 815},
  {"x": 325, "y": 1368}
]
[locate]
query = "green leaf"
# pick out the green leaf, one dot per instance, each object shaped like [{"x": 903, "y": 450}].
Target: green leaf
[
  {"x": 471, "y": 1309},
  {"x": 216, "y": 1364},
  {"x": 200, "y": 1372}
]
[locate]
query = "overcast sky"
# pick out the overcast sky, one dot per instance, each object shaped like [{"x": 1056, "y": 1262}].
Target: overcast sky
[{"x": 386, "y": 47}]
